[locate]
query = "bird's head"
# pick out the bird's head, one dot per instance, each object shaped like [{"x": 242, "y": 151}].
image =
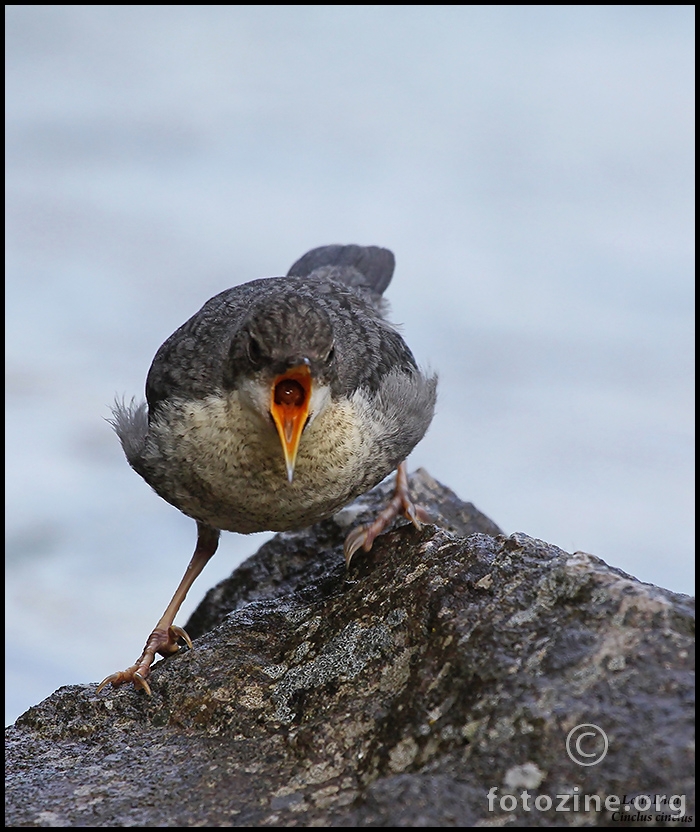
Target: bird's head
[{"x": 282, "y": 363}]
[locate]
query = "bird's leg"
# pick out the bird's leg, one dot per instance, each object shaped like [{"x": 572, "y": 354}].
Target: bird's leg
[
  {"x": 165, "y": 635},
  {"x": 364, "y": 536}
]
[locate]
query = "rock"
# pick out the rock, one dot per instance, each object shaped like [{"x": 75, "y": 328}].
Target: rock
[{"x": 434, "y": 685}]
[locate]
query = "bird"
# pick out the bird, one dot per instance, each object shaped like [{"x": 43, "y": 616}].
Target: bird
[{"x": 273, "y": 407}]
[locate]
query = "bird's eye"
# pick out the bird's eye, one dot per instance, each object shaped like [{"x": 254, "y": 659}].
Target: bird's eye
[
  {"x": 254, "y": 350},
  {"x": 331, "y": 355}
]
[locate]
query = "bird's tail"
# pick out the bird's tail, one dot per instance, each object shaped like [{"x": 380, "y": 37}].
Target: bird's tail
[{"x": 362, "y": 267}]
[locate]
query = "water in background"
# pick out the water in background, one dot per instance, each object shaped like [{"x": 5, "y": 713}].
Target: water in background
[{"x": 531, "y": 168}]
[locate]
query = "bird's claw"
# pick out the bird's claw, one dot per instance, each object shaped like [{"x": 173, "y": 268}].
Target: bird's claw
[
  {"x": 364, "y": 536},
  {"x": 416, "y": 514},
  {"x": 121, "y": 677},
  {"x": 355, "y": 540},
  {"x": 178, "y": 632},
  {"x": 140, "y": 682},
  {"x": 160, "y": 641}
]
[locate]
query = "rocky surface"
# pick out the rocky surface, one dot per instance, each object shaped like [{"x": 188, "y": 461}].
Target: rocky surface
[{"x": 448, "y": 664}]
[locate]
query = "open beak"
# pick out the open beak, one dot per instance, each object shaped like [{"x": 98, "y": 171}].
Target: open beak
[{"x": 289, "y": 407}]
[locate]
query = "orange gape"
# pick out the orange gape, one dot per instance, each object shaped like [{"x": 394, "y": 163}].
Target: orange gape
[{"x": 289, "y": 406}]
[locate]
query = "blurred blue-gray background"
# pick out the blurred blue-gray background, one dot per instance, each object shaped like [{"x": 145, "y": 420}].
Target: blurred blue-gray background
[{"x": 531, "y": 168}]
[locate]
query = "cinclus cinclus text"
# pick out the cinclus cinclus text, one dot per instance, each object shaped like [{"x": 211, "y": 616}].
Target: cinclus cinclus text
[{"x": 273, "y": 407}]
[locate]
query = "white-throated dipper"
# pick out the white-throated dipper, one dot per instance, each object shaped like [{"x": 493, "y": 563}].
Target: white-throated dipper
[{"x": 273, "y": 407}]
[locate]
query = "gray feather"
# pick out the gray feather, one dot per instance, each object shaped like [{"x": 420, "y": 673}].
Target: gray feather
[
  {"x": 407, "y": 404},
  {"x": 130, "y": 423}
]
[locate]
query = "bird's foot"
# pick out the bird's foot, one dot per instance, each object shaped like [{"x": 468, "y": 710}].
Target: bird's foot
[
  {"x": 160, "y": 641},
  {"x": 401, "y": 503}
]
